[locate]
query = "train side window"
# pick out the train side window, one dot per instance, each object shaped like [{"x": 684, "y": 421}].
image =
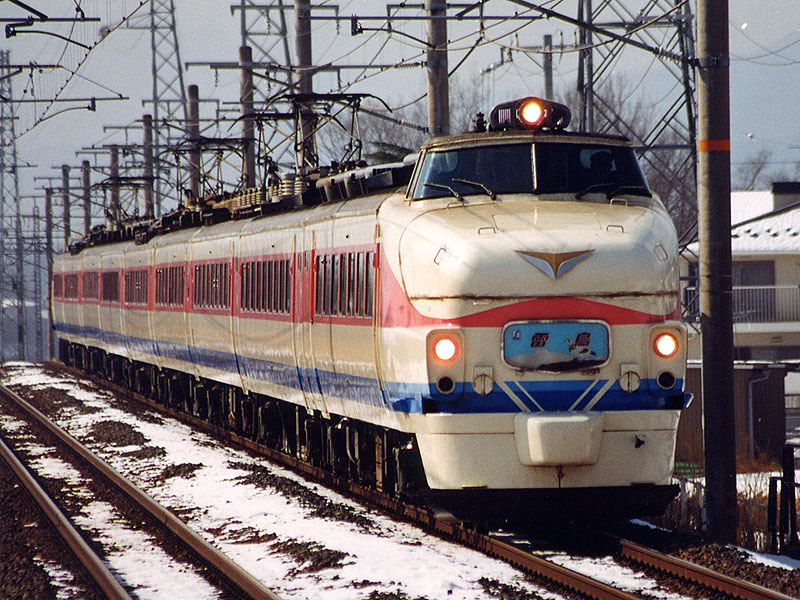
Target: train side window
[
  {"x": 360, "y": 285},
  {"x": 351, "y": 284},
  {"x": 280, "y": 293},
  {"x": 71, "y": 285},
  {"x": 319, "y": 275},
  {"x": 271, "y": 288},
  {"x": 90, "y": 285},
  {"x": 369, "y": 285},
  {"x": 287, "y": 287},
  {"x": 58, "y": 285},
  {"x": 214, "y": 285},
  {"x": 335, "y": 282},
  {"x": 281, "y": 266},
  {"x": 326, "y": 307},
  {"x": 110, "y": 288},
  {"x": 343, "y": 284},
  {"x": 243, "y": 270}
]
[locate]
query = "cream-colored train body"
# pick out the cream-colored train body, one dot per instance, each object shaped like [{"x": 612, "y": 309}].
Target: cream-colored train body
[{"x": 506, "y": 313}]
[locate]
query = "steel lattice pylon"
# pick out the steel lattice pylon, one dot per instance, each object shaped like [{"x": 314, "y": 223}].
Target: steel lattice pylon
[
  {"x": 169, "y": 92},
  {"x": 12, "y": 280},
  {"x": 667, "y": 143},
  {"x": 263, "y": 28}
]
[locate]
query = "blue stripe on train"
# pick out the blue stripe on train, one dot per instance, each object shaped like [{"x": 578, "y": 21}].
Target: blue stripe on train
[{"x": 546, "y": 396}]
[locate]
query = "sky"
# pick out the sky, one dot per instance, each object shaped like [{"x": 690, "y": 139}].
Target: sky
[{"x": 765, "y": 70}]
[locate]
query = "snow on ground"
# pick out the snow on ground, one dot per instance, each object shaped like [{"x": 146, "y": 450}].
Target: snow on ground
[{"x": 262, "y": 529}]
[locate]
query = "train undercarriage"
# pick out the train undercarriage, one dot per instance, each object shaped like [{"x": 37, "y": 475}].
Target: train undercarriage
[{"x": 378, "y": 458}]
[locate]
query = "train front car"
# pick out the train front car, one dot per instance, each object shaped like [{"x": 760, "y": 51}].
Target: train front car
[{"x": 537, "y": 276}]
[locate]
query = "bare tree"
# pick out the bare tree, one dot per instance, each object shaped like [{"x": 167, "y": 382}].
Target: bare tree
[
  {"x": 666, "y": 165},
  {"x": 753, "y": 174}
]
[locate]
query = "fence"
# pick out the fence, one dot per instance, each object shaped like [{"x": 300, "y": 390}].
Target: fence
[{"x": 764, "y": 304}]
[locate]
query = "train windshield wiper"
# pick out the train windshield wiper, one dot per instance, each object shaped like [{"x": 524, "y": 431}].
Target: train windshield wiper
[
  {"x": 595, "y": 187},
  {"x": 636, "y": 190},
  {"x": 476, "y": 184},
  {"x": 441, "y": 186}
]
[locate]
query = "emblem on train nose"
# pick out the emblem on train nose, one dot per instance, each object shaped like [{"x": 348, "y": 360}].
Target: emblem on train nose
[{"x": 555, "y": 264}]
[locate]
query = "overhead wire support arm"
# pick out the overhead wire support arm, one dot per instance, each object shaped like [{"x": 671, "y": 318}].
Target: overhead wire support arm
[{"x": 597, "y": 29}]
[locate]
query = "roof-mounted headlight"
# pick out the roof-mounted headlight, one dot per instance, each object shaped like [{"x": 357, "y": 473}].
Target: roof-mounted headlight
[{"x": 529, "y": 113}]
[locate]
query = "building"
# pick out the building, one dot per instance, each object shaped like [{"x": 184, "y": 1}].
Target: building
[{"x": 765, "y": 248}]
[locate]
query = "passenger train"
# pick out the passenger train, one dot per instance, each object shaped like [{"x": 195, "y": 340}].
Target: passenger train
[{"x": 491, "y": 328}]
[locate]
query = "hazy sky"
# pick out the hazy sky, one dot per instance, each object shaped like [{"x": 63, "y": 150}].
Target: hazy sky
[{"x": 765, "y": 71}]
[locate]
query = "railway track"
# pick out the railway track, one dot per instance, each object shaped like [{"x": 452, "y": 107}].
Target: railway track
[
  {"x": 233, "y": 576},
  {"x": 548, "y": 572}
]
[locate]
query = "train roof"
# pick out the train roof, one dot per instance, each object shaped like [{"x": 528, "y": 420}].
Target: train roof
[{"x": 524, "y": 135}]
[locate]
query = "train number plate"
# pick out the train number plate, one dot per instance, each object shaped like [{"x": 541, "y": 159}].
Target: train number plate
[{"x": 555, "y": 346}]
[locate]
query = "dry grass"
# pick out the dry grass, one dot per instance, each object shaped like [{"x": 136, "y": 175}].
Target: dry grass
[{"x": 687, "y": 513}]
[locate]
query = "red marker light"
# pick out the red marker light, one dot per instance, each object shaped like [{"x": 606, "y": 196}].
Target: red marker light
[
  {"x": 531, "y": 113},
  {"x": 445, "y": 349},
  {"x": 666, "y": 345}
]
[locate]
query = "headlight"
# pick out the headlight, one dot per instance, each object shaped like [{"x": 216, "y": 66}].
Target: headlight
[{"x": 665, "y": 345}]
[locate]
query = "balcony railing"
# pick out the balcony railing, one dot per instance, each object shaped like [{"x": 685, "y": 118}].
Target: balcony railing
[{"x": 762, "y": 304}]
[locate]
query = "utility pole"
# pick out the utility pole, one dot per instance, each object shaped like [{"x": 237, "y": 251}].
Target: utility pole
[
  {"x": 37, "y": 283},
  {"x": 246, "y": 98},
  {"x": 116, "y": 208},
  {"x": 147, "y": 151},
  {"x": 716, "y": 297},
  {"x": 48, "y": 252},
  {"x": 66, "y": 203},
  {"x": 306, "y": 148},
  {"x": 548, "y": 67},
  {"x": 87, "y": 196},
  {"x": 438, "y": 87},
  {"x": 193, "y": 128}
]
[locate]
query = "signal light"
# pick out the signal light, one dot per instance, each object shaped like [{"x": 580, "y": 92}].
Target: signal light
[
  {"x": 666, "y": 345},
  {"x": 529, "y": 113},
  {"x": 445, "y": 349}
]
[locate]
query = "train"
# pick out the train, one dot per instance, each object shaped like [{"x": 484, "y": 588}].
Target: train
[{"x": 490, "y": 327}]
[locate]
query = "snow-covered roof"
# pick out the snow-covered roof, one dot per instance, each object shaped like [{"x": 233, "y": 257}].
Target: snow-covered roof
[{"x": 775, "y": 232}]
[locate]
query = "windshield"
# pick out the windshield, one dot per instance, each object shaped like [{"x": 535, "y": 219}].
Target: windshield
[
  {"x": 572, "y": 168},
  {"x": 503, "y": 169},
  {"x": 585, "y": 168}
]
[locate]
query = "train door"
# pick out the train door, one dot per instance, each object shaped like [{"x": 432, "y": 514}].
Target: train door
[{"x": 307, "y": 325}]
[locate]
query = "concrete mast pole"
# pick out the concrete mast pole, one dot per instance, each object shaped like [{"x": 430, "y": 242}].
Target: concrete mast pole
[
  {"x": 147, "y": 150},
  {"x": 65, "y": 198},
  {"x": 116, "y": 209},
  {"x": 48, "y": 251},
  {"x": 305, "y": 148},
  {"x": 438, "y": 86},
  {"x": 193, "y": 128},
  {"x": 87, "y": 196},
  {"x": 547, "y": 67},
  {"x": 716, "y": 296},
  {"x": 246, "y": 98}
]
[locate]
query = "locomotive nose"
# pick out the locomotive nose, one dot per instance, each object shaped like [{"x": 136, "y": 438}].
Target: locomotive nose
[{"x": 484, "y": 255}]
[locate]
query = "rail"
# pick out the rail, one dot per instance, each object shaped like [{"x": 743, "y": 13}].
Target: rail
[
  {"x": 753, "y": 304},
  {"x": 238, "y": 576},
  {"x": 97, "y": 569},
  {"x": 422, "y": 517},
  {"x": 707, "y": 578}
]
